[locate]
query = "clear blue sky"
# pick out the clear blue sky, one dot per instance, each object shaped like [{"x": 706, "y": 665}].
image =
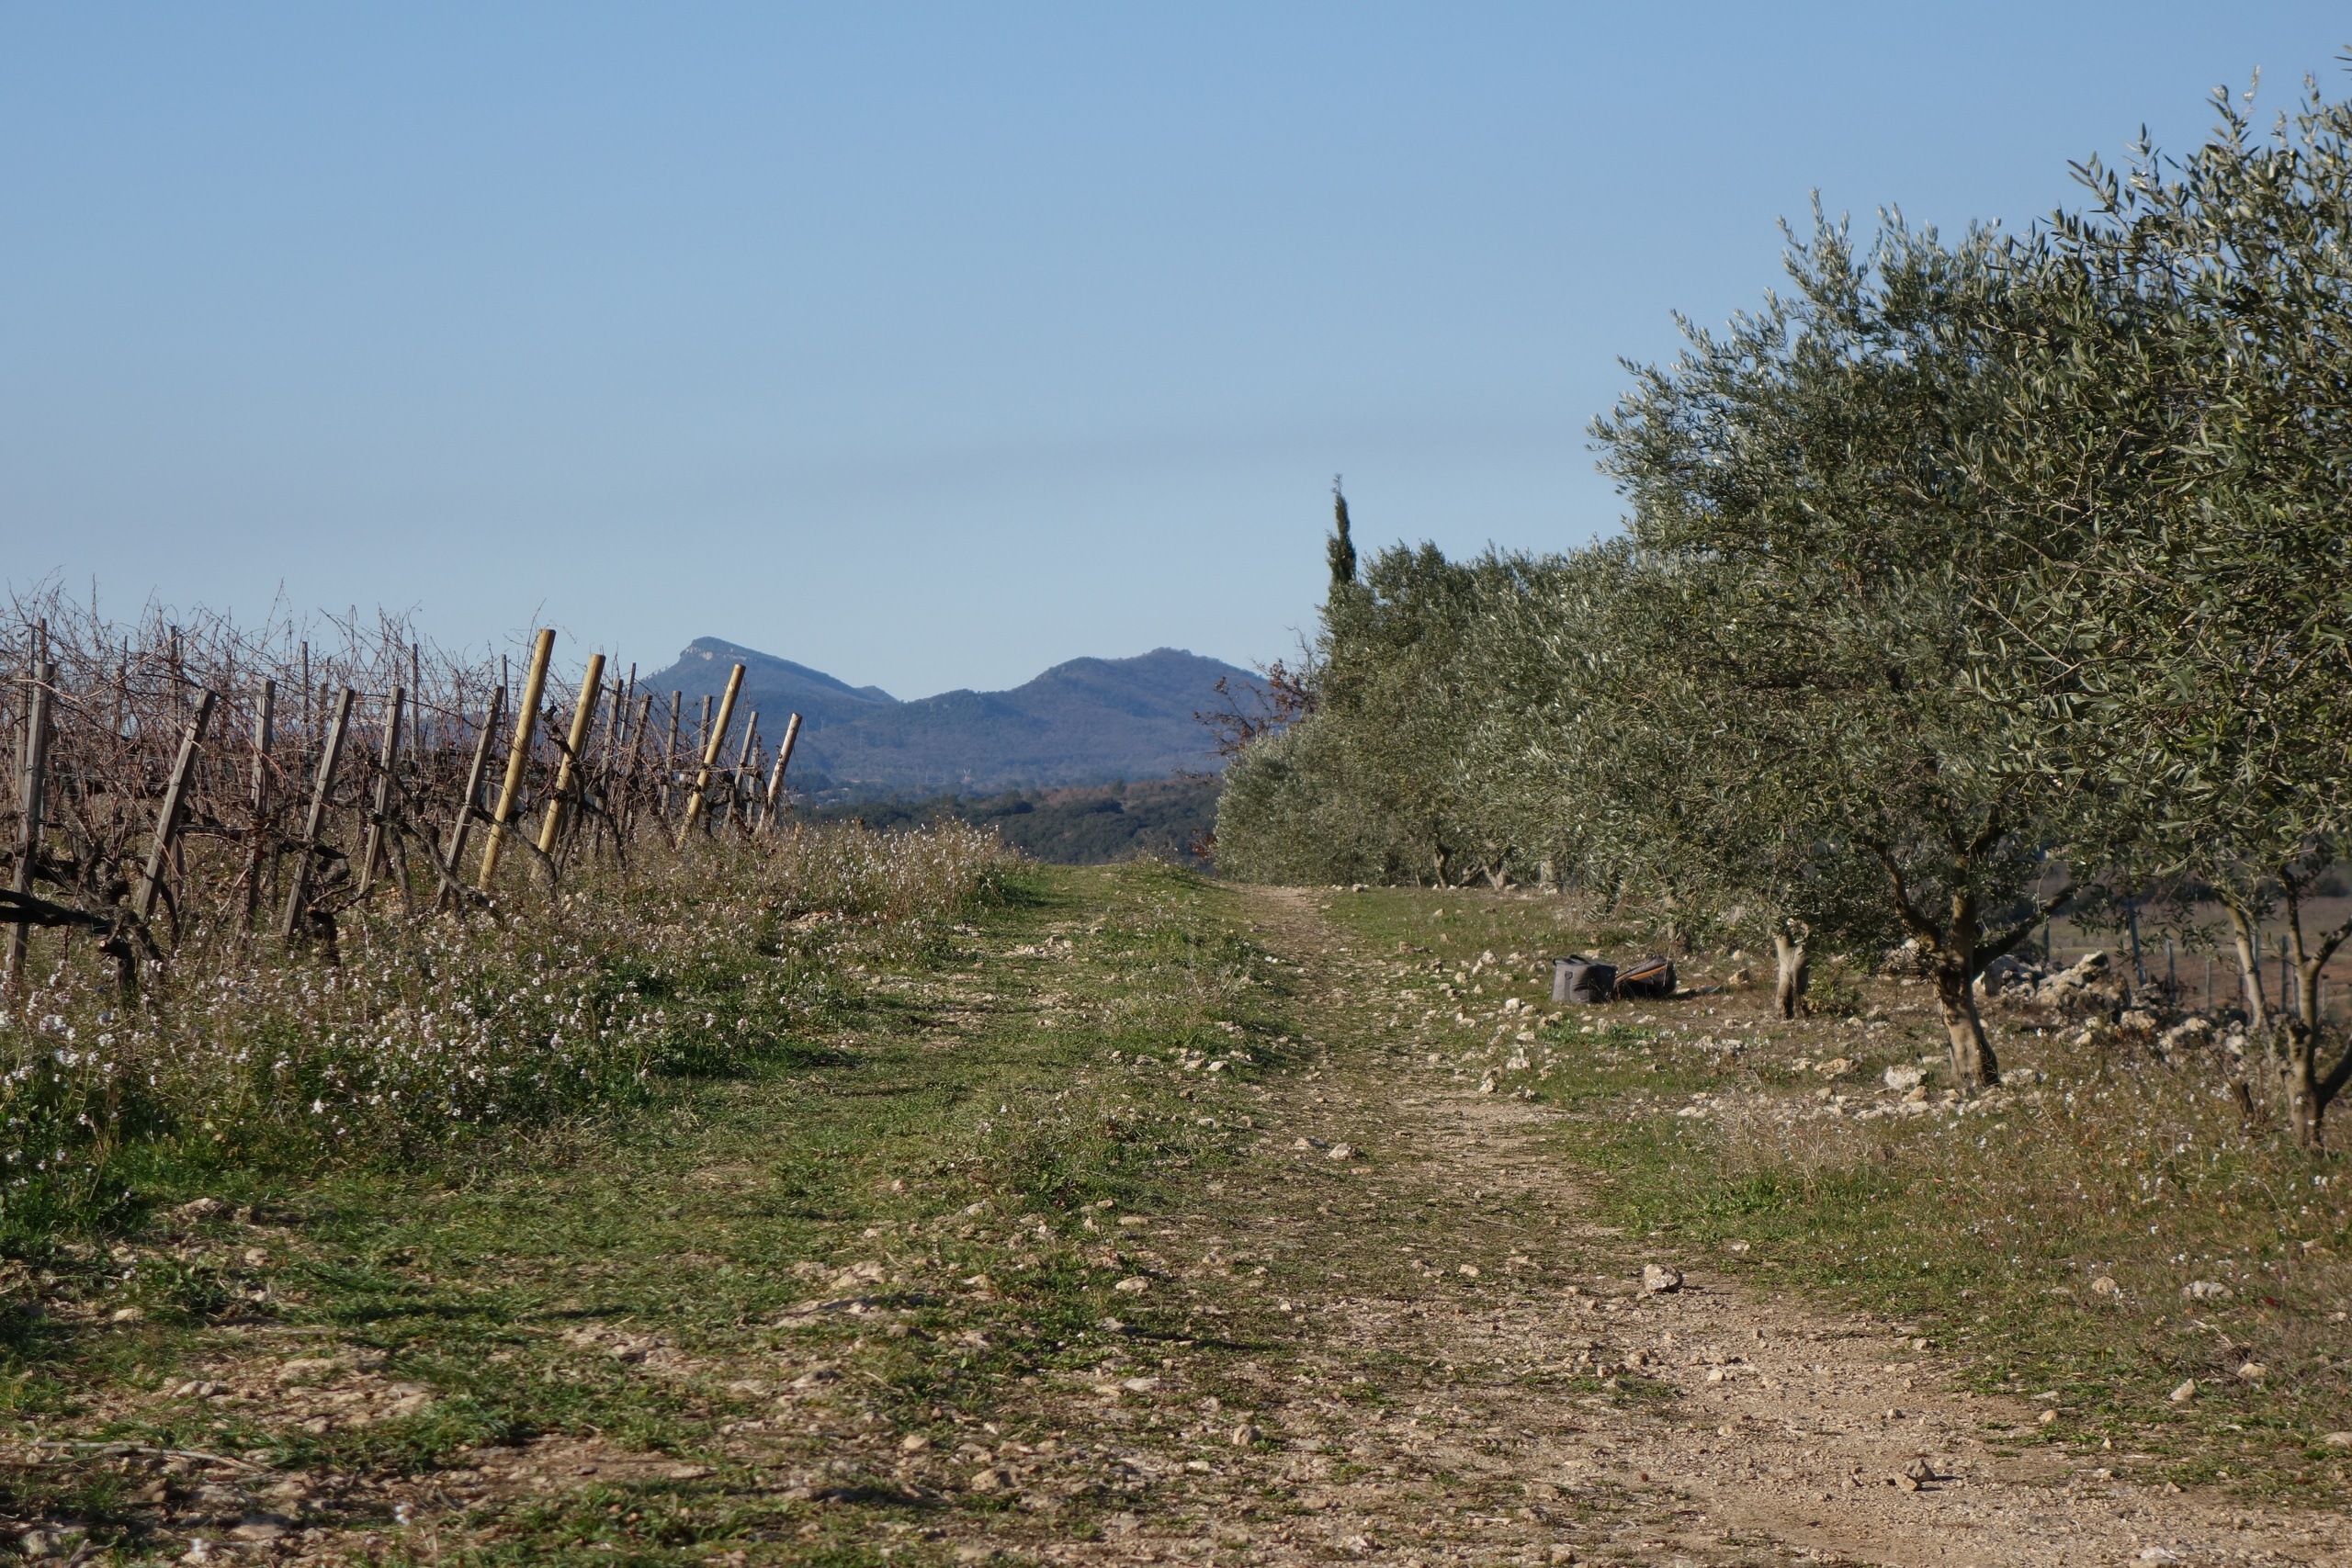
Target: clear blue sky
[{"x": 935, "y": 344}]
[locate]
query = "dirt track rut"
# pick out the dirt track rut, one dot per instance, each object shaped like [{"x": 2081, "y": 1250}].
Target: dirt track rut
[{"x": 1466, "y": 1306}]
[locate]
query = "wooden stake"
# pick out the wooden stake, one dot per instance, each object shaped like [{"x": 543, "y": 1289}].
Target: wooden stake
[
  {"x": 518, "y": 760},
  {"x": 583, "y": 720},
  {"x": 710, "y": 752},
  {"x": 602, "y": 754},
  {"x": 670, "y": 754},
  {"x": 628, "y": 791},
  {"x": 608, "y": 764},
  {"x": 167, "y": 820},
  {"x": 33, "y": 771},
  {"x": 735, "y": 775},
  {"x": 597, "y": 760},
  {"x": 775, "y": 779},
  {"x": 380, "y": 821},
  {"x": 257, "y": 830},
  {"x": 483, "y": 744},
  {"x": 297, "y": 882}
]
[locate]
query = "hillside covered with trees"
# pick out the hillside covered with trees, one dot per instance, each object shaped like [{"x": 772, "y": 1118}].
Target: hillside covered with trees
[{"x": 1162, "y": 818}]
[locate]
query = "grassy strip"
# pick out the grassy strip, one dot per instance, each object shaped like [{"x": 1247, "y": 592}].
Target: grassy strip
[
  {"x": 2045, "y": 1241},
  {"x": 944, "y": 1149},
  {"x": 421, "y": 1040}
]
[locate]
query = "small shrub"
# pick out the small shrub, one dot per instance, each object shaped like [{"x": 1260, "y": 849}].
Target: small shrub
[{"x": 1833, "y": 992}]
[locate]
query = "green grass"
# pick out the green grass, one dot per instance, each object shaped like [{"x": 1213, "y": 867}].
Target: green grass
[{"x": 867, "y": 1136}]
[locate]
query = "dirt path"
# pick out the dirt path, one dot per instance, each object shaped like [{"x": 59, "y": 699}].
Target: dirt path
[
  {"x": 1389, "y": 1332},
  {"x": 1470, "y": 1305}
]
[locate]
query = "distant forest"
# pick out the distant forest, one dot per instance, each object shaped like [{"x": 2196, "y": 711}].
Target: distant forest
[{"x": 1087, "y": 826}]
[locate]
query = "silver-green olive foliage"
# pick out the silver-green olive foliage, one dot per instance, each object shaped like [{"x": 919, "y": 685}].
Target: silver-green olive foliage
[
  {"x": 1818, "y": 459},
  {"x": 1612, "y": 738},
  {"x": 1374, "y": 785},
  {"x": 2192, "y": 433}
]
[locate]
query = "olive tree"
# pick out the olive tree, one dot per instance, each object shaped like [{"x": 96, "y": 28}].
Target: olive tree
[
  {"x": 1627, "y": 717},
  {"x": 1377, "y": 783},
  {"x": 2189, "y": 426},
  {"x": 1822, "y": 453}
]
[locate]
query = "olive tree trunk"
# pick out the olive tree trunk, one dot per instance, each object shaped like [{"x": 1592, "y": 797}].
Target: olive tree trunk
[
  {"x": 1950, "y": 948},
  {"x": 1957, "y": 948},
  {"x": 2294, "y": 1055},
  {"x": 1973, "y": 1063},
  {"x": 2309, "y": 1090},
  {"x": 1795, "y": 973},
  {"x": 2244, "y": 934}
]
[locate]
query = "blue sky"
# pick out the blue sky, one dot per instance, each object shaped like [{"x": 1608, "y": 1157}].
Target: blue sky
[{"x": 931, "y": 345}]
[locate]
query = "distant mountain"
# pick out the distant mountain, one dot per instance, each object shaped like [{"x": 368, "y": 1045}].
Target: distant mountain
[
  {"x": 772, "y": 686},
  {"x": 1088, "y": 721}
]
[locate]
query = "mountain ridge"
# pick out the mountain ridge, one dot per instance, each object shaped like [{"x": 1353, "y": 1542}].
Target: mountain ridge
[{"x": 1084, "y": 721}]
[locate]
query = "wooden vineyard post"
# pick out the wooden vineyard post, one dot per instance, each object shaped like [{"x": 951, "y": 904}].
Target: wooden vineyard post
[
  {"x": 32, "y": 770},
  {"x": 297, "y": 882},
  {"x": 518, "y": 759},
  {"x": 258, "y": 832},
  {"x": 379, "y": 819},
  {"x": 710, "y": 752},
  {"x": 702, "y": 732},
  {"x": 167, "y": 820},
  {"x": 471, "y": 800},
  {"x": 616, "y": 726},
  {"x": 608, "y": 764},
  {"x": 743, "y": 762},
  {"x": 775, "y": 780},
  {"x": 670, "y": 756},
  {"x": 573, "y": 764},
  {"x": 628, "y": 811}
]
